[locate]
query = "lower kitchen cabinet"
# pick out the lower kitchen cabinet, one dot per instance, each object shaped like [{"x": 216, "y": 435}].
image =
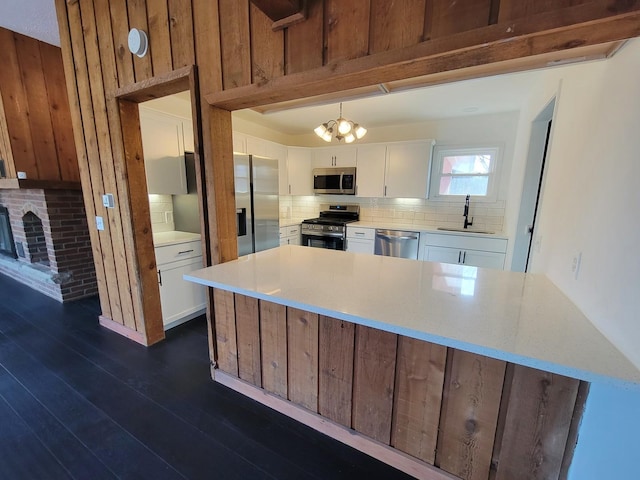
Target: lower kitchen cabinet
[
  {"x": 470, "y": 250},
  {"x": 180, "y": 300},
  {"x": 360, "y": 240},
  {"x": 290, "y": 235}
]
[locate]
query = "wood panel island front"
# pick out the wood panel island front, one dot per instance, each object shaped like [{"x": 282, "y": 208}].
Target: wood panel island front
[{"x": 443, "y": 371}]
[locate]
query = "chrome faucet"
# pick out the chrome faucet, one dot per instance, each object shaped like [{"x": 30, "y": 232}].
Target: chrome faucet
[{"x": 467, "y": 223}]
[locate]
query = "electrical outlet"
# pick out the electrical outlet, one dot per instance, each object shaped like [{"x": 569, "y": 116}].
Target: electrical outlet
[
  {"x": 575, "y": 264},
  {"x": 99, "y": 223},
  {"x": 168, "y": 217}
]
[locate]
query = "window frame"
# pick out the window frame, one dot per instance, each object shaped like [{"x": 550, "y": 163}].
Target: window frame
[{"x": 442, "y": 151}]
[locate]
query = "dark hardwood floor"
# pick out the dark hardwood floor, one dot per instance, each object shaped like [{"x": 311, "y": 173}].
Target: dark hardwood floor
[{"x": 78, "y": 401}]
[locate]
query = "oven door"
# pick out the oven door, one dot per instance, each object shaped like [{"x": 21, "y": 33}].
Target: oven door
[{"x": 332, "y": 242}]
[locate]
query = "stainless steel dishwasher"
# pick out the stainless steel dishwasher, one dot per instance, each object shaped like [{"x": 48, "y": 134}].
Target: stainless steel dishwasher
[{"x": 397, "y": 243}]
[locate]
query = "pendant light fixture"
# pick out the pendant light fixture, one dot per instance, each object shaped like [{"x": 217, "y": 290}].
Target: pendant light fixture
[{"x": 341, "y": 128}]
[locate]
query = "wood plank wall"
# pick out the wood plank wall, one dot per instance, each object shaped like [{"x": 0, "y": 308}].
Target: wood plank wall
[
  {"x": 242, "y": 62},
  {"x": 36, "y": 135},
  {"x": 472, "y": 416}
]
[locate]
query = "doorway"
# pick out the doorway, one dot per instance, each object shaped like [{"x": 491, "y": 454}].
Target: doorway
[
  {"x": 532, "y": 190},
  {"x": 183, "y": 80},
  {"x": 168, "y": 143}
]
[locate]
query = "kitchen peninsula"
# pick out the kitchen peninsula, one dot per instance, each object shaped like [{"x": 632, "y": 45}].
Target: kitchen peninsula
[{"x": 434, "y": 368}]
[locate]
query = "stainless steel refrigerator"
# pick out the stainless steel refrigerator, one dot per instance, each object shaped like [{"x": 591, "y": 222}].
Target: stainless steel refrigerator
[{"x": 257, "y": 210}]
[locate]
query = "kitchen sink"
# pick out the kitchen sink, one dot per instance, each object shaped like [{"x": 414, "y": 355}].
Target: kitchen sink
[{"x": 465, "y": 230}]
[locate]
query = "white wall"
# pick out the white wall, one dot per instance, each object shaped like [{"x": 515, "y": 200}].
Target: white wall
[
  {"x": 591, "y": 196},
  {"x": 590, "y": 205}
]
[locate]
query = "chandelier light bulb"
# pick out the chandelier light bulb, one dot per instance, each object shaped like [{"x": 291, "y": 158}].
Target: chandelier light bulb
[
  {"x": 344, "y": 126},
  {"x": 341, "y": 128},
  {"x": 360, "y": 131},
  {"x": 321, "y": 130}
]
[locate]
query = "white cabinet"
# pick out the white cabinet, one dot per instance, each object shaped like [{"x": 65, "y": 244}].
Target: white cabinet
[
  {"x": 166, "y": 175},
  {"x": 257, "y": 146},
  {"x": 290, "y": 235},
  {"x": 370, "y": 165},
  {"x": 180, "y": 300},
  {"x": 163, "y": 150},
  {"x": 239, "y": 142},
  {"x": 396, "y": 170},
  {"x": 407, "y": 169},
  {"x": 275, "y": 150},
  {"x": 188, "y": 136},
  {"x": 472, "y": 250},
  {"x": 299, "y": 171},
  {"x": 334, "y": 157},
  {"x": 360, "y": 239}
]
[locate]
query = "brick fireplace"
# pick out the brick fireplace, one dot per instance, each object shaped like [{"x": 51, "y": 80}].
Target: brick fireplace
[{"x": 50, "y": 238}]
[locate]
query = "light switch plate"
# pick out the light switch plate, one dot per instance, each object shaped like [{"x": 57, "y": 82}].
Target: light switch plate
[
  {"x": 107, "y": 200},
  {"x": 99, "y": 223}
]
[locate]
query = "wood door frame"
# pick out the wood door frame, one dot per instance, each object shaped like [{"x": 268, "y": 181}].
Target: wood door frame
[{"x": 128, "y": 98}]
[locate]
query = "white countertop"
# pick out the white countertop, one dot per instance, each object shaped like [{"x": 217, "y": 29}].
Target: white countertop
[
  {"x": 520, "y": 318},
  {"x": 161, "y": 239},
  {"x": 390, "y": 225}
]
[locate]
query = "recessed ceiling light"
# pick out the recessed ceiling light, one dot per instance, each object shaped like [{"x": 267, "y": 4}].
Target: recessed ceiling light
[{"x": 470, "y": 109}]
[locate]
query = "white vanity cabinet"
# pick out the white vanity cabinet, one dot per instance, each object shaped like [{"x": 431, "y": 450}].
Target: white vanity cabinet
[
  {"x": 290, "y": 235},
  {"x": 327, "y": 157},
  {"x": 360, "y": 239},
  {"x": 474, "y": 250},
  {"x": 180, "y": 300}
]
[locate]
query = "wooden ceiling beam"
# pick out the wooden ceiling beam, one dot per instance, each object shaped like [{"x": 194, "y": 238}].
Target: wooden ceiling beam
[{"x": 493, "y": 45}]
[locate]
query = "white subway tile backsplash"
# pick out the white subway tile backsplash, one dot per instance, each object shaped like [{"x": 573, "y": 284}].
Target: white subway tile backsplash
[
  {"x": 402, "y": 211},
  {"x": 161, "y": 210}
]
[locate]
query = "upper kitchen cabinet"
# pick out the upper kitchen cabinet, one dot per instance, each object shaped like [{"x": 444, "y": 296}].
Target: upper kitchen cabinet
[
  {"x": 407, "y": 169},
  {"x": 299, "y": 171},
  {"x": 281, "y": 153},
  {"x": 36, "y": 134},
  {"x": 239, "y": 142},
  {"x": 163, "y": 145},
  {"x": 395, "y": 170},
  {"x": 265, "y": 148},
  {"x": 188, "y": 136},
  {"x": 334, "y": 157},
  {"x": 370, "y": 170}
]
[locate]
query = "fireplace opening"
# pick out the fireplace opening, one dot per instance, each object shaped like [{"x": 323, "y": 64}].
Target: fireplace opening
[
  {"x": 36, "y": 240},
  {"x": 7, "y": 246}
]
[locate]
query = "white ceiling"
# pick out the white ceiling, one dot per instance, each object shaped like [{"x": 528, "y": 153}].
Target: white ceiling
[
  {"x": 33, "y": 18},
  {"x": 501, "y": 93}
]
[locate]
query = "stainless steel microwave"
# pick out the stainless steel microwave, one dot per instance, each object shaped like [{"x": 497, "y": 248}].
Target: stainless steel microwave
[{"x": 337, "y": 181}]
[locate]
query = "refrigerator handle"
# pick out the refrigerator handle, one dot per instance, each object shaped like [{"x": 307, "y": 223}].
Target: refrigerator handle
[{"x": 241, "y": 219}]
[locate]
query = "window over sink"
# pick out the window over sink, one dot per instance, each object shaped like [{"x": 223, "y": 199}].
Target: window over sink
[{"x": 460, "y": 171}]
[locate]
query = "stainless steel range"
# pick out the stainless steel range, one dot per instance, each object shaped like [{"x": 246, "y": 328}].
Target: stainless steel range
[{"x": 329, "y": 229}]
